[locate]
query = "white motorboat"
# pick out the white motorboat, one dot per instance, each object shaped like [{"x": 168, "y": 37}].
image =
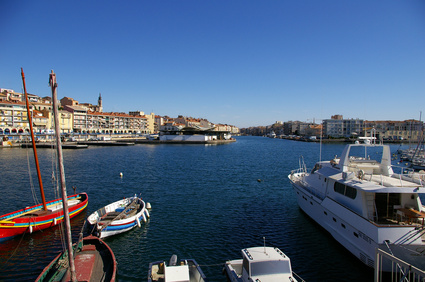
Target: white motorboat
[
  {"x": 260, "y": 264},
  {"x": 118, "y": 217},
  {"x": 418, "y": 163},
  {"x": 364, "y": 204},
  {"x": 185, "y": 270}
]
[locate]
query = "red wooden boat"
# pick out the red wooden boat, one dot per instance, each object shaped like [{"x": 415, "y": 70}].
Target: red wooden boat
[
  {"x": 40, "y": 216},
  {"x": 35, "y": 218}
]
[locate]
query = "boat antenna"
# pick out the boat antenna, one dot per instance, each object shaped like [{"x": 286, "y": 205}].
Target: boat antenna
[
  {"x": 321, "y": 133},
  {"x": 54, "y": 85},
  {"x": 40, "y": 182}
]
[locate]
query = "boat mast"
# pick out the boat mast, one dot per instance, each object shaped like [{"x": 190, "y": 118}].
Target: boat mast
[
  {"x": 40, "y": 182},
  {"x": 54, "y": 85}
]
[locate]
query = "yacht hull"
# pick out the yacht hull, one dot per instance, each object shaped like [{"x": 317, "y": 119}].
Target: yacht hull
[{"x": 362, "y": 240}]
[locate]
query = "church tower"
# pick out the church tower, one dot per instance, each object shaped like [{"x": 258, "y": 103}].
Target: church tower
[{"x": 99, "y": 103}]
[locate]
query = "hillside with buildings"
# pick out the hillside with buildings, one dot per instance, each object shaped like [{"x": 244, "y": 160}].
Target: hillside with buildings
[{"x": 85, "y": 118}]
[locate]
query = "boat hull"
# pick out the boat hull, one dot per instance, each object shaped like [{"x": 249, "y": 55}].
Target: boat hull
[
  {"x": 356, "y": 234},
  {"x": 233, "y": 270},
  {"x": 121, "y": 225},
  {"x": 322, "y": 217},
  {"x": 94, "y": 261},
  {"x": 33, "y": 218}
]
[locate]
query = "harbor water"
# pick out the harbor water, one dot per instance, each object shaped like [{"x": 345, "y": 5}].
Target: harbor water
[{"x": 208, "y": 202}]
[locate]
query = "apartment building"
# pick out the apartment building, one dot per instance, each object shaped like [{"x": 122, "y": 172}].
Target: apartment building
[
  {"x": 388, "y": 130},
  {"x": 410, "y": 130},
  {"x": 13, "y": 117},
  {"x": 338, "y": 127}
]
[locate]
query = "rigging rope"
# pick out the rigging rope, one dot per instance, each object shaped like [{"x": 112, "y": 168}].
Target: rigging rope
[
  {"x": 55, "y": 185},
  {"x": 34, "y": 196}
]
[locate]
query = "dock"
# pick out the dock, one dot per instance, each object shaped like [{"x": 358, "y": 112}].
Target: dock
[
  {"x": 116, "y": 142},
  {"x": 49, "y": 145},
  {"x": 106, "y": 143},
  {"x": 159, "y": 142}
]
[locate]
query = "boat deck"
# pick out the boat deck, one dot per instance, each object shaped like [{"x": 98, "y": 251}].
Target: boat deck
[
  {"x": 92, "y": 263},
  {"x": 389, "y": 181},
  {"x": 127, "y": 212}
]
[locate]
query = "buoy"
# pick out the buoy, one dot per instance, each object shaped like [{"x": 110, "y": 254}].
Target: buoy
[
  {"x": 144, "y": 217},
  {"x": 30, "y": 228},
  {"x": 148, "y": 205},
  {"x": 259, "y": 180},
  {"x": 138, "y": 222},
  {"x": 120, "y": 174},
  {"x": 147, "y": 213},
  {"x": 54, "y": 221}
]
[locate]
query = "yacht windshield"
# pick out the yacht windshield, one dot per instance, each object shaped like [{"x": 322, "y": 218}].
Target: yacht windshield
[
  {"x": 366, "y": 152},
  {"x": 270, "y": 267}
]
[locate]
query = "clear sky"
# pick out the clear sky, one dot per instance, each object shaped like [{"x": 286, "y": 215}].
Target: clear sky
[{"x": 239, "y": 62}]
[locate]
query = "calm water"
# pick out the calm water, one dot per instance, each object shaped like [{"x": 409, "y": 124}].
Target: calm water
[{"x": 207, "y": 204}]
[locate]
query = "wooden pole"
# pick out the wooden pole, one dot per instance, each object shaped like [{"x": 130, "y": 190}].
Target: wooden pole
[{"x": 54, "y": 85}]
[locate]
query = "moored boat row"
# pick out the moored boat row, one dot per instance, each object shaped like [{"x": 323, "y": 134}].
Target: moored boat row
[{"x": 265, "y": 264}]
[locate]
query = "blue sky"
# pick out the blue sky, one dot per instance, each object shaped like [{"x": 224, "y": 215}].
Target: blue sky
[{"x": 239, "y": 62}]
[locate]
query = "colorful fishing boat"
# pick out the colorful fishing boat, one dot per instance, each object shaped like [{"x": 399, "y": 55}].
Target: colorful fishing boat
[
  {"x": 35, "y": 218},
  {"x": 42, "y": 216},
  {"x": 118, "y": 217}
]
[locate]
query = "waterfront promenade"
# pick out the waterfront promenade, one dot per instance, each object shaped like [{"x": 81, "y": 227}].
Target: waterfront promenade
[{"x": 111, "y": 141}]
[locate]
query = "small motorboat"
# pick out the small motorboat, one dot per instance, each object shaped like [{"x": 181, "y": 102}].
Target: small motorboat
[
  {"x": 260, "y": 264},
  {"x": 185, "y": 270},
  {"x": 118, "y": 217}
]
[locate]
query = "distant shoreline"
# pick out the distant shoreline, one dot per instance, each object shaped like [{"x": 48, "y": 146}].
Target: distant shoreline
[{"x": 342, "y": 140}]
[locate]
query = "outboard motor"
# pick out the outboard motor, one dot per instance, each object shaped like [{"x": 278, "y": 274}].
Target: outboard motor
[{"x": 173, "y": 260}]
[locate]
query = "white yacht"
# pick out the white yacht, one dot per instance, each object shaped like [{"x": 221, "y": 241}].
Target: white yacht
[
  {"x": 364, "y": 204},
  {"x": 260, "y": 264}
]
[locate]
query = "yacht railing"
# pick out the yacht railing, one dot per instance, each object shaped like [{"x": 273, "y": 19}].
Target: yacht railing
[
  {"x": 400, "y": 270},
  {"x": 297, "y": 277},
  {"x": 304, "y": 185},
  {"x": 301, "y": 163},
  {"x": 404, "y": 180}
]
